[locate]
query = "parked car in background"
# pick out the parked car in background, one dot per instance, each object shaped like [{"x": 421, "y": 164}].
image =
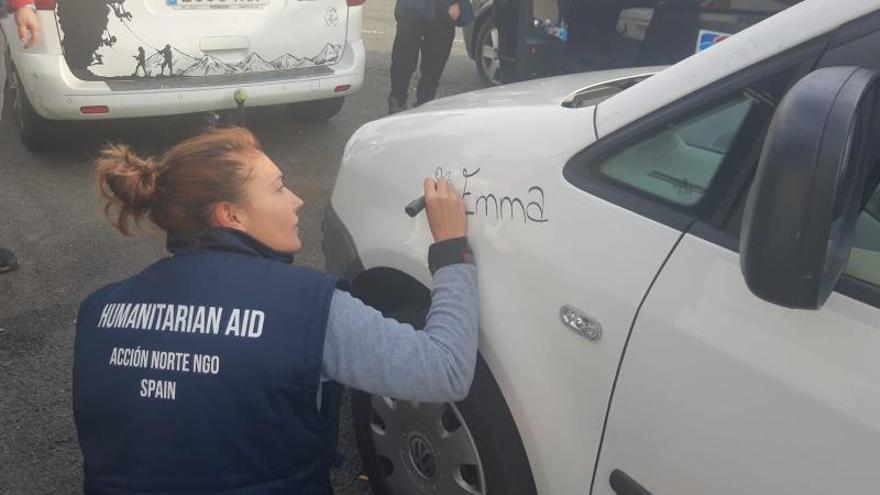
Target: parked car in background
[
  {"x": 605, "y": 34},
  {"x": 679, "y": 271},
  {"x": 116, "y": 59}
]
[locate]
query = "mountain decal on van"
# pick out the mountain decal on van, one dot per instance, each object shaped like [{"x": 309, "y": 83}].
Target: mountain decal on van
[
  {"x": 288, "y": 61},
  {"x": 207, "y": 66},
  {"x": 330, "y": 53},
  {"x": 103, "y": 39},
  {"x": 253, "y": 63}
]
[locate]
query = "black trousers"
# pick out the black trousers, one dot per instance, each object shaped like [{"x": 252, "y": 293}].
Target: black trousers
[
  {"x": 431, "y": 38},
  {"x": 510, "y": 17}
]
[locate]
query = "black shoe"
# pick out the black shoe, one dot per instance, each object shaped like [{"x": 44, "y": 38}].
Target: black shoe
[
  {"x": 396, "y": 105},
  {"x": 8, "y": 261}
]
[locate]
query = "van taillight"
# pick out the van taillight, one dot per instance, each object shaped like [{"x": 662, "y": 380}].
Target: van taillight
[
  {"x": 355, "y": 3},
  {"x": 94, "y": 109},
  {"x": 45, "y": 4}
]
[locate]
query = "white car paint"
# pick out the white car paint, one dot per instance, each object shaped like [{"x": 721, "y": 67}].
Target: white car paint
[
  {"x": 604, "y": 279},
  {"x": 714, "y": 389},
  {"x": 724, "y": 393},
  {"x": 248, "y": 35},
  {"x": 541, "y": 92}
]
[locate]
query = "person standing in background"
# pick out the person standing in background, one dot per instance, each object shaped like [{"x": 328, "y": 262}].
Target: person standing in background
[
  {"x": 29, "y": 35},
  {"x": 506, "y": 16},
  {"x": 426, "y": 27}
]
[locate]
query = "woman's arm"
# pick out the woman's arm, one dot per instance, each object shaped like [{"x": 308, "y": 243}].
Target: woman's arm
[{"x": 367, "y": 351}]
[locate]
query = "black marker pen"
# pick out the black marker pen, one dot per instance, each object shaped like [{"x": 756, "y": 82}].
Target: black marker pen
[{"x": 415, "y": 206}]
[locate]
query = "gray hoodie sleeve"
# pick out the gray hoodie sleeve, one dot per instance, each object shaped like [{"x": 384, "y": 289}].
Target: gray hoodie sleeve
[{"x": 366, "y": 351}]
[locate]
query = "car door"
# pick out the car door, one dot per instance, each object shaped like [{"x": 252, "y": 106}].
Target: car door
[
  {"x": 595, "y": 258},
  {"x": 561, "y": 275},
  {"x": 721, "y": 392}
]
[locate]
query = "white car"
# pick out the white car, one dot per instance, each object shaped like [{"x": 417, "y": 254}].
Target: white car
[
  {"x": 679, "y": 272},
  {"x": 110, "y": 59}
]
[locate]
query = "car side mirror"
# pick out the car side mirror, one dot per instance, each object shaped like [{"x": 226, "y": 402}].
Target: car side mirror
[{"x": 800, "y": 215}]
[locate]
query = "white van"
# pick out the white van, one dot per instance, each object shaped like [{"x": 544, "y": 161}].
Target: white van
[
  {"x": 109, "y": 59},
  {"x": 679, "y": 272}
]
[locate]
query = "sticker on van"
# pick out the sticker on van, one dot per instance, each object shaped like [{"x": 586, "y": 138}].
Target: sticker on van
[{"x": 707, "y": 39}]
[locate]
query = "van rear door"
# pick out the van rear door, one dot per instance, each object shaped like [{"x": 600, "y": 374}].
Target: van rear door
[{"x": 130, "y": 39}]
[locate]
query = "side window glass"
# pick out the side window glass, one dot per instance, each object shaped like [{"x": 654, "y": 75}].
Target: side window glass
[
  {"x": 678, "y": 163},
  {"x": 864, "y": 259}
]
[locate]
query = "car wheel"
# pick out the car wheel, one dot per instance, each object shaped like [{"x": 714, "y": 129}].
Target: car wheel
[
  {"x": 486, "y": 54},
  {"x": 317, "y": 110},
  {"x": 471, "y": 447},
  {"x": 35, "y": 132}
]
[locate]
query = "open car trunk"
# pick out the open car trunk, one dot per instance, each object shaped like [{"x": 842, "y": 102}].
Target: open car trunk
[{"x": 138, "y": 39}]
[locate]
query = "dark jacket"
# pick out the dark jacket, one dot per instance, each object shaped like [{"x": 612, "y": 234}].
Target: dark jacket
[
  {"x": 203, "y": 374},
  {"x": 431, "y": 9}
]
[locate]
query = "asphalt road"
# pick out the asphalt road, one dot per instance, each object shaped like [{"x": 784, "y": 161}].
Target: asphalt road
[{"x": 50, "y": 216}]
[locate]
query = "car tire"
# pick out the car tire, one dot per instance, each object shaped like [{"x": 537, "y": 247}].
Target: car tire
[
  {"x": 486, "y": 54},
  {"x": 318, "y": 110},
  {"x": 481, "y": 427},
  {"x": 36, "y": 133}
]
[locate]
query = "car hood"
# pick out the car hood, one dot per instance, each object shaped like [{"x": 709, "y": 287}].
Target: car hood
[
  {"x": 513, "y": 141},
  {"x": 546, "y": 91}
]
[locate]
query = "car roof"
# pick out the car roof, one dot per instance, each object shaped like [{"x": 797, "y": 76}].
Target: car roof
[{"x": 781, "y": 32}]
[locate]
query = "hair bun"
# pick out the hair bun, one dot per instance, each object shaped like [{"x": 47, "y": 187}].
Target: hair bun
[{"x": 126, "y": 181}]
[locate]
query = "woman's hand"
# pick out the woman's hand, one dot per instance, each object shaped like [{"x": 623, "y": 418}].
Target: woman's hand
[
  {"x": 454, "y": 12},
  {"x": 445, "y": 210}
]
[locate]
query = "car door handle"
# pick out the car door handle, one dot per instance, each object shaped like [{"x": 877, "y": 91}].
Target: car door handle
[{"x": 622, "y": 484}]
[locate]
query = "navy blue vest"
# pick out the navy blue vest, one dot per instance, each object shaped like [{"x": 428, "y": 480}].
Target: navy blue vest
[{"x": 202, "y": 374}]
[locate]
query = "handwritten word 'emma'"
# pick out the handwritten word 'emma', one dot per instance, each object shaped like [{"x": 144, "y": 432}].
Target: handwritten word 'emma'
[{"x": 529, "y": 208}]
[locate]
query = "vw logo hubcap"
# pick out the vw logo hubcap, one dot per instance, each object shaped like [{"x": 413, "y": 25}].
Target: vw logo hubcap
[{"x": 422, "y": 457}]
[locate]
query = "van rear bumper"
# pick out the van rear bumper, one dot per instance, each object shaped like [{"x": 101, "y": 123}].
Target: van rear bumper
[{"x": 56, "y": 94}]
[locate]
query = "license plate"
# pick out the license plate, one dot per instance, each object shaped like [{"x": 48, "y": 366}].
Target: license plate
[{"x": 216, "y": 4}]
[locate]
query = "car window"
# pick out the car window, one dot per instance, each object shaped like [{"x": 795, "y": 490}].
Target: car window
[
  {"x": 864, "y": 259},
  {"x": 678, "y": 163}
]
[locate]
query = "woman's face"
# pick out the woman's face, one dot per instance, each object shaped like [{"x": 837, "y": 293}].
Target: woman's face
[{"x": 269, "y": 212}]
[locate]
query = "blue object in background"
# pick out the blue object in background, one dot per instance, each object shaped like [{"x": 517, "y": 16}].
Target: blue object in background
[{"x": 708, "y": 39}]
